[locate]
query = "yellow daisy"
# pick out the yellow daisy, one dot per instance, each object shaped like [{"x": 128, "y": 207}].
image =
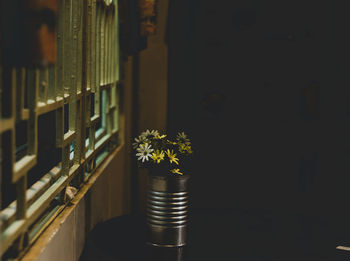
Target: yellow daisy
[
  {"x": 182, "y": 138},
  {"x": 158, "y": 156},
  {"x": 172, "y": 156},
  {"x": 185, "y": 148},
  {"x": 176, "y": 171},
  {"x": 172, "y": 142},
  {"x": 188, "y": 149},
  {"x": 159, "y": 137}
]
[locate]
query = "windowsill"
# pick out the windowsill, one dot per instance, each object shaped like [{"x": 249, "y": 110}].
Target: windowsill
[{"x": 48, "y": 235}]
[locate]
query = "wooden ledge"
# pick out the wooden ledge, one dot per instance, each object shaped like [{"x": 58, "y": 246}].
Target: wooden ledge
[{"x": 38, "y": 247}]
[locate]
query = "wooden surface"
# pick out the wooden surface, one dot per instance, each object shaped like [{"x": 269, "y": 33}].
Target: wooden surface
[{"x": 218, "y": 234}]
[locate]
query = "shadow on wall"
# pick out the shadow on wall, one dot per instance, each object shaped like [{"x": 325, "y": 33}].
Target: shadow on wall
[{"x": 259, "y": 91}]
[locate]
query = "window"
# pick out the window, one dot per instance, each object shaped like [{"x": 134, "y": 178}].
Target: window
[{"x": 57, "y": 121}]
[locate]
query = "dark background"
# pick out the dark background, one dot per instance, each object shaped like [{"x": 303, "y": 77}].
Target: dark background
[{"x": 262, "y": 89}]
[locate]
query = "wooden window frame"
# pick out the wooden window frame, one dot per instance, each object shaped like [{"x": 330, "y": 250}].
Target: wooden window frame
[{"x": 87, "y": 67}]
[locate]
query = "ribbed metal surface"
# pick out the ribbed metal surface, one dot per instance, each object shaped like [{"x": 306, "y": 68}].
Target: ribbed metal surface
[{"x": 167, "y": 211}]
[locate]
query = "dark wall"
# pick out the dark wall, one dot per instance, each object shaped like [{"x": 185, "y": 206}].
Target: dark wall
[{"x": 262, "y": 88}]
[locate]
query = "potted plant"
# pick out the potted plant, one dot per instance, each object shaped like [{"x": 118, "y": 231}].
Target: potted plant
[{"x": 167, "y": 203}]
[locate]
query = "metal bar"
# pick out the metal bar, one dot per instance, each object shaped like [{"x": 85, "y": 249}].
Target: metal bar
[
  {"x": 98, "y": 47},
  {"x": 67, "y": 45},
  {"x": 103, "y": 50},
  {"x": 43, "y": 85},
  {"x": 109, "y": 115},
  {"x": 22, "y": 166},
  {"x": 73, "y": 71},
  {"x": 89, "y": 52},
  {"x": 59, "y": 127},
  {"x": 13, "y": 92},
  {"x": 65, "y": 159},
  {"x": 80, "y": 46},
  {"x": 114, "y": 47},
  {"x": 93, "y": 51},
  {"x": 49, "y": 106},
  {"x": 98, "y": 65},
  {"x": 32, "y": 86},
  {"x": 51, "y": 93},
  {"x": 115, "y": 103},
  {"x": 69, "y": 137},
  {"x": 13, "y": 116},
  {"x": 60, "y": 49},
  {"x": 117, "y": 56},
  {"x": 108, "y": 52},
  {"x": 22, "y": 94},
  {"x": 21, "y": 207},
  {"x": 80, "y": 135},
  {"x": 18, "y": 94},
  {"x": 6, "y": 124}
]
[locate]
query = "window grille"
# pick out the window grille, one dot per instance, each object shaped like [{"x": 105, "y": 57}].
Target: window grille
[{"x": 57, "y": 122}]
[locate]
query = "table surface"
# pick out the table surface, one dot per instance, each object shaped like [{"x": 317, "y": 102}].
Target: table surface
[{"x": 219, "y": 235}]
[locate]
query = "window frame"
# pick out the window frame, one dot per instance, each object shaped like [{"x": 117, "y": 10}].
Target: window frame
[{"x": 80, "y": 76}]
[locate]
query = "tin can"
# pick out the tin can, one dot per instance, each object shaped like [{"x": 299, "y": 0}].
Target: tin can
[{"x": 167, "y": 210}]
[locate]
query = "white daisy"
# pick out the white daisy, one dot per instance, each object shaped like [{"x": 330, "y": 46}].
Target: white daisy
[
  {"x": 150, "y": 134},
  {"x": 138, "y": 141},
  {"x": 182, "y": 138},
  {"x": 144, "y": 152}
]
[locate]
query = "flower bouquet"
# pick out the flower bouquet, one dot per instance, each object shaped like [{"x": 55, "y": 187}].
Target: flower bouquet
[
  {"x": 161, "y": 155},
  {"x": 167, "y": 200}
]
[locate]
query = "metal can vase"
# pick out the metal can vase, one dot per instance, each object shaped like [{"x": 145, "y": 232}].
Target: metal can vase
[{"x": 167, "y": 210}]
